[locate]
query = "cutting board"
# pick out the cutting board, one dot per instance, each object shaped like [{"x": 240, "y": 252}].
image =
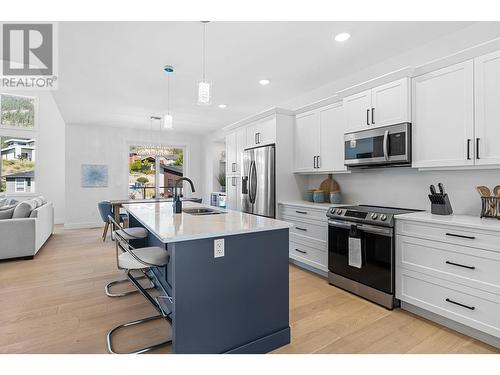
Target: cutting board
[{"x": 329, "y": 185}]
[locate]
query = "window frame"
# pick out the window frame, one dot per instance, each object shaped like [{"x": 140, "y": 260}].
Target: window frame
[
  {"x": 25, "y": 184},
  {"x": 22, "y": 133},
  {"x": 20, "y": 128}
]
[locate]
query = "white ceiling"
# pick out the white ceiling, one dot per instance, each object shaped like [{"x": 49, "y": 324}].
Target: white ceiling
[{"x": 111, "y": 72}]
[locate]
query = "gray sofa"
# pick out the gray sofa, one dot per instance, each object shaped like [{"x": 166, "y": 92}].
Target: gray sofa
[{"x": 24, "y": 227}]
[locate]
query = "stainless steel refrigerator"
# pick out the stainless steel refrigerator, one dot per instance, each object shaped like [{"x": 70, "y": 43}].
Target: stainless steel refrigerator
[{"x": 258, "y": 184}]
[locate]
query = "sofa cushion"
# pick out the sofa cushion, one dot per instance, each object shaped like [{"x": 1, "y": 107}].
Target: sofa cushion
[
  {"x": 8, "y": 206},
  {"x": 24, "y": 209},
  {"x": 39, "y": 201},
  {"x": 3, "y": 201},
  {"x": 7, "y": 214}
]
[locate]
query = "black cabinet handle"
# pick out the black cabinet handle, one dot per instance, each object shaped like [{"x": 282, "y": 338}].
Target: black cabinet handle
[
  {"x": 460, "y": 265},
  {"x": 460, "y": 236},
  {"x": 233, "y": 167},
  {"x": 255, "y": 138},
  {"x": 468, "y": 149},
  {"x": 302, "y": 229},
  {"x": 234, "y": 181},
  {"x": 368, "y": 117},
  {"x": 317, "y": 162},
  {"x": 373, "y": 116},
  {"x": 314, "y": 162},
  {"x": 460, "y": 304},
  {"x": 301, "y": 251},
  {"x": 477, "y": 148},
  {"x": 301, "y": 212}
]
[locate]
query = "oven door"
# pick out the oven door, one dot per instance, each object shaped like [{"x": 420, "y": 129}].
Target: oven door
[
  {"x": 377, "y": 254},
  {"x": 380, "y": 146}
]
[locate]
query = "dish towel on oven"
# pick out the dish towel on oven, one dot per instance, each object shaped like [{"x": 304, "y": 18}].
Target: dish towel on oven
[{"x": 355, "y": 259}]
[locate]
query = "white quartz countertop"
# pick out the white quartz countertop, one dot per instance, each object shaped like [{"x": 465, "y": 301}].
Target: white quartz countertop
[
  {"x": 456, "y": 220},
  {"x": 160, "y": 219},
  {"x": 306, "y": 204}
]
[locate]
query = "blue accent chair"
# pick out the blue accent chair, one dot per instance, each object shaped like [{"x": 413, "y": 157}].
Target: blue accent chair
[{"x": 105, "y": 210}]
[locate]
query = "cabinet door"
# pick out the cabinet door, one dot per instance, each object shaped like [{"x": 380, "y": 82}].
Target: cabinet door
[
  {"x": 233, "y": 192},
  {"x": 443, "y": 117},
  {"x": 307, "y": 139},
  {"x": 487, "y": 109},
  {"x": 241, "y": 142},
  {"x": 261, "y": 133},
  {"x": 231, "y": 155},
  {"x": 332, "y": 128},
  {"x": 357, "y": 110},
  {"x": 390, "y": 103}
]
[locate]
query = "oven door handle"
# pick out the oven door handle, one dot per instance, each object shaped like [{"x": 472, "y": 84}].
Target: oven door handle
[{"x": 384, "y": 231}]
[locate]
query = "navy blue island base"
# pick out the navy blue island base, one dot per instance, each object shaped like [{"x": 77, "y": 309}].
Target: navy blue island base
[{"x": 238, "y": 303}]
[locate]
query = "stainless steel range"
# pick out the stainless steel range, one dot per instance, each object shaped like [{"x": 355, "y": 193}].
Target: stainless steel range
[{"x": 361, "y": 251}]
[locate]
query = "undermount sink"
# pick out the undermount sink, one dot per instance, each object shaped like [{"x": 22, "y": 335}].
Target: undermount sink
[{"x": 202, "y": 211}]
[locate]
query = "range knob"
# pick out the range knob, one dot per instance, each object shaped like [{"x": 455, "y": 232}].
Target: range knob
[
  {"x": 383, "y": 217},
  {"x": 374, "y": 216},
  {"x": 339, "y": 211}
]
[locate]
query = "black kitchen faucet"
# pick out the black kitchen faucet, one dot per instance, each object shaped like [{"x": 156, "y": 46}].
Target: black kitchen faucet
[{"x": 177, "y": 199}]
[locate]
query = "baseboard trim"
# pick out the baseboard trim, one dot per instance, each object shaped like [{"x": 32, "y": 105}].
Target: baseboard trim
[
  {"x": 308, "y": 267},
  {"x": 451, "y": 324},
  {"x": 83, "y": 225}
]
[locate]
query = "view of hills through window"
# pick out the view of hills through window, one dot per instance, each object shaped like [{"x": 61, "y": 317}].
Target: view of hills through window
[
  {"x": 17, "y": 169},
  {"x": 17, "y": 111}
]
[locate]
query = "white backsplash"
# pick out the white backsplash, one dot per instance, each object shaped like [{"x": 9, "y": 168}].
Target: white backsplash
[{"x": 408, "y": 188}]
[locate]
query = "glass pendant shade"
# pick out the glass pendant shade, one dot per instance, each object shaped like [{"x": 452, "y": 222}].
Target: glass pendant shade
[
  {"x": 204, "y": 92},
  {"x": 168, "y": 121}
]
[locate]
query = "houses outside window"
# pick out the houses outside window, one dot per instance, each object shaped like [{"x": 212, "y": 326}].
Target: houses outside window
[
  {"x": 17, "y": 167},
  {"x": 17, "y": 111}
]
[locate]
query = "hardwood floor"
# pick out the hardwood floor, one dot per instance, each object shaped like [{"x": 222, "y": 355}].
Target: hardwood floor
[{"x": 55, "y": 303}]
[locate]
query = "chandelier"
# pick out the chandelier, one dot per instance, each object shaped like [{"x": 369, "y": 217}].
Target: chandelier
[{"x": 152, "y": 149}]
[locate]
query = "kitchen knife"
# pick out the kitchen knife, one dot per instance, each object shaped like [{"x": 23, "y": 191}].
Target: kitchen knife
[
  {"x": 433, "y": 189},
  {"x": 441, "y": 188}
]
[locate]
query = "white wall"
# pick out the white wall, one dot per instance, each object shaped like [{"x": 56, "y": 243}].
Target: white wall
[
  {"x": 211, "y": 167},
  {"x": 49, "y": 167},
  {"x": 88, "y": 144}
]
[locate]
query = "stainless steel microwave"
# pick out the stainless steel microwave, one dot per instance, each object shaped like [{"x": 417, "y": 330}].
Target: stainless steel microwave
[{"x": 387, "y": 146}]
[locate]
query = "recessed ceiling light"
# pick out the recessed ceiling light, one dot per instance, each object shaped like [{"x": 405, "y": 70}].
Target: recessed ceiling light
[
  {"x": 222, "y": 106},
  {"x": 264, "y": 82},
  {"x": 342, "y": 37}
]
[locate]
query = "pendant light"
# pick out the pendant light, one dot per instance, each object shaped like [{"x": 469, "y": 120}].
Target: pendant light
[
  {"x": 152, "y": 149},
  {"x": 204, "y": 86},
  {"x": 168, "y": 120}
]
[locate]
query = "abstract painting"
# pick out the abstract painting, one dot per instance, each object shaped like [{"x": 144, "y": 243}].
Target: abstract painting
[{"x": 94, "y": 175}]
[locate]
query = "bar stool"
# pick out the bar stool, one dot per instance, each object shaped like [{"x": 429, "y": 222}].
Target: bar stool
[
  {"x": 127, "y": 234},
  {"x": 139, "y": 259}
]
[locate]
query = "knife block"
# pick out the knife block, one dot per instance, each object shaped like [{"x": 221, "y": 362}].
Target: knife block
[{"x": 440, "y": 204}]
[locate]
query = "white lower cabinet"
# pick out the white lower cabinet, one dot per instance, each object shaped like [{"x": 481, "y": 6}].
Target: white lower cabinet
[
  {"x": 450, "y": 270},
  {"x": 233, "y": 192},
  {"x": 308, "y": 236}
]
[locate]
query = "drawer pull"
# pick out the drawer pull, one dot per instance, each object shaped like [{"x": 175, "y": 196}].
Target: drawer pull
[
  {"x": 460, "y": 265},
  {"x": 302, "y": 229},
  {"x": 301, "y": 251},
  {"x": 460, "y": 304},
  {"x": 461, "y": 236},
  {"x": 301, "y": 212}
]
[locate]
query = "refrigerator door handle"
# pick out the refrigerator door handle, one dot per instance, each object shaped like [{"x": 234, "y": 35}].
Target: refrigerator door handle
[{"x": 253, "y": 182}]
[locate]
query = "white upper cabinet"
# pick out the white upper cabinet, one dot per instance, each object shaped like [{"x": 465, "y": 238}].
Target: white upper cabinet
[
  {"x": 383, "y": 105},
  {"x": 307, "y": 141},
  {"x": 235, "y": 143},
  {"x": 332, "y": 129},
  {"x": 443, "y": 117},
  {"x": 319, "y": 140},
  {"x": 391, "y": 103},
  {"x": 261, "y": 133},
  {"x": 357, "y": 109},
  {"x": 487, "y": 109}
]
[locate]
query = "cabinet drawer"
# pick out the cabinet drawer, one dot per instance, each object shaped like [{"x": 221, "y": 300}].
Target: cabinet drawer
[
  {"x": 315, "y": 231},
  {"x": 309, "y": 255},
  {"x": 464, "y": 265},
  {"x": 468, "y": 306},
  {"x": 450, "y": 234},
  {"x": 303, "y": 213}
]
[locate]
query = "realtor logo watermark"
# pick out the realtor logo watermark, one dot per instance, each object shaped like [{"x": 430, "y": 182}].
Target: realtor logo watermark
[{"x": 28, "y": 56}]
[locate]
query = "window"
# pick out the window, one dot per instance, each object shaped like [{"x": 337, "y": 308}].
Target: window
[
  {"x": 17, "y": 111},
  {"x": 17, "y": 167},
  {"x": 150, "y": 177},
  {"x": 20, "y": 185}
]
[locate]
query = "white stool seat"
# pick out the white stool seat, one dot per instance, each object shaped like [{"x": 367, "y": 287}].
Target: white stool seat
[
  {"x": 132, "y": 233},
  {"x": 153, "y": 255}
]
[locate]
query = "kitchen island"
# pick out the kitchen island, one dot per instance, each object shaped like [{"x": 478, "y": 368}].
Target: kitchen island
[{"x": 229, "y": 300}]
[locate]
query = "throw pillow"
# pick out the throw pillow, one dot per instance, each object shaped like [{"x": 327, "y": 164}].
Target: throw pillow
[
  {"x": 24, "y": 209},
  {"x": 3, "y": 201},
  {"x": 7, "y": 214},
  {"x": 44, "y": 201},
  {"x": 39, "y": 201}
]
